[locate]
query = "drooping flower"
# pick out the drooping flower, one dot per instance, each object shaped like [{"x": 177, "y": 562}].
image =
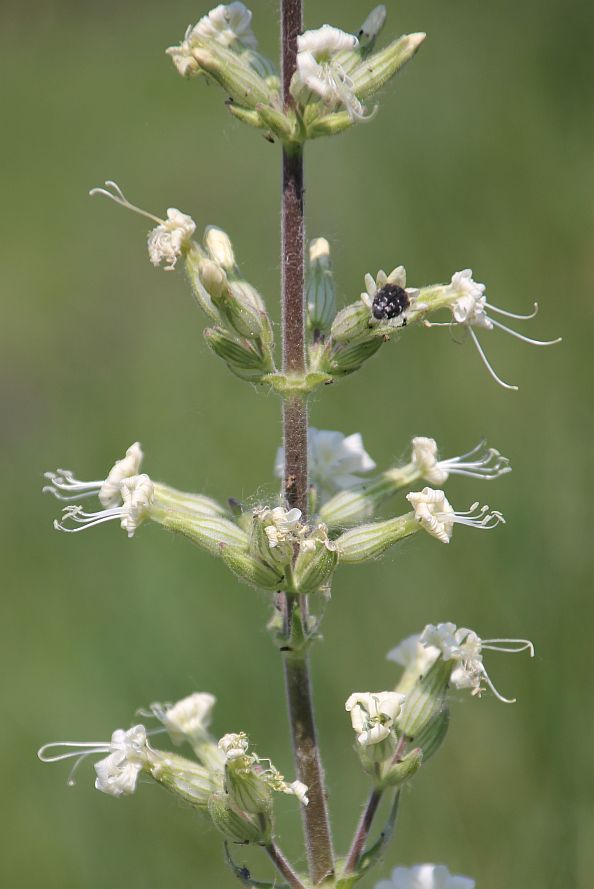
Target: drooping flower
[
  {"x": 250, "y": 779},
  {"x": 465, "y": 648},
  {"x": 373, "y": 715},
  {"x": 388, "y": 298},
  {"x": 66, "y": 487},
  {"x": 437, "y": 517},
  {"x": 319, "y": 69},
  {"x": 137, "y": 494},
  {"x": 227, "y": 24},
  {"x": 335, "y": 460},
  {"x": 425, "y": 876},
  {"x": 117, "y": 774},
  {"x": 468, "y": 303},
  {"x": 171, "y": 237},
  {"x": 188, "y": 719},
  {"x": 480, "y": 462},
  {"x": 411, "y": 654}
]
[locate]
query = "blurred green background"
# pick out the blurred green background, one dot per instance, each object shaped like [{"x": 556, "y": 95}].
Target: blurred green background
[{"x": 481, "y": 156}]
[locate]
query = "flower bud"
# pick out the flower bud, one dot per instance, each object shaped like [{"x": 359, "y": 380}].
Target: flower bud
[
  {"x": 426, "y": 699},
  {"x": 329, "y": 125},
  {"x": 251, "y": 569},
  {"x": 433, "y": 735},
  {"x": 209, "y": 532},
  {"x": 395, "y": 775},
  {"x": 235, "y": 75},
  {"x": 246, "y": 788},
  {"x": 193, "y": 261},
  {"x": 242, "y": 357},
  {"x": 187, "y": 780},
  {"x": 233, "y": 825},
  {"x": 350, "y": 323},
  {"x": 375, "y": 71},
  {"x": 320, "y": 292},
  {"x": 279, "y": 124},
  {"x": 220, "y": 249},
  {"x": 369, "y": 541},
  {"x": 349, "y": 507},
  {"x": 348, "y": 358},
  {"x": 214, "y": 280},
  {"x": 246, "y": 311},
  {"x": 314, "y": 568}
]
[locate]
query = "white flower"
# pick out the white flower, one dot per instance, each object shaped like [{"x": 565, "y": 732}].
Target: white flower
[
  {"x": 168, "y": 240},
  {"x": 310, "y": 538},
  {"x": 319, "y": 70},
  {"x": 227, "y": 24},
  {"x": 469, "y": 308},
  {"x": 414, "y": 656},
  {"x": 465, "y": 648},
  {"x": 425, "y": 876},
  {"x": 182, "y": 55},
  {"x": 66, "y": 487},
  {"x": 171, "y": 237},
  {"x": 437, "y": 517},
  {"x": 373, "y": 715},
  {"x": 234, "y": 745},
  {"x": 335, "y": 460},
  {"x": 137, "y": 495},
  {"x": 388, "y": 298},
  {"x": 188, "y": 719},
  {"x": 283, "y": 527},
  {"x": 117, "y": 774},
  {"x": 480, "y": 462}
]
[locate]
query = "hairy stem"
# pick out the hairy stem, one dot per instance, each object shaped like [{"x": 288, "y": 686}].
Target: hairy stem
[
  {"x": 297, "y": 679},
  {"x": 283, "y": 866}
]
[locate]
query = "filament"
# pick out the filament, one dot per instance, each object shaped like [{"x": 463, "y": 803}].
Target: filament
[
  {"x": 118, "y": 197},
  {"x": 525, "y": 339},
  {"x": 485, "y": 361},
  {"x": 512, "y": 315}
]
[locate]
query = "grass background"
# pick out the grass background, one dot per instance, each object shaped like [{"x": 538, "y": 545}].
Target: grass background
[{"x": 481, "y": 156}]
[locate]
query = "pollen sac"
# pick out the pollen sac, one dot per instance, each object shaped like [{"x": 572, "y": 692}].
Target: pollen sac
[{"x": 389, "y": 302}]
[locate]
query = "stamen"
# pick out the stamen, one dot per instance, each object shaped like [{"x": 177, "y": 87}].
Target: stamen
[
  {"x": 64, "y": 480},
  {"x": 117, "y": 196},
  {"x": 497, "y": 694},
  {"x": 485, "y": 361},
  {"x": 519, "y": 645},
  {"x": 95, "y": 747},
  {"x": 86, "y": 519},
  {"x": 511, "y": 314},
  {"x": 478, "y": 468},
  {"x": 525, "y": 339}
]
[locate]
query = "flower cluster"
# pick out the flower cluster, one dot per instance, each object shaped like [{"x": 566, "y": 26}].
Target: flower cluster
[{"x": 228, "y": 782}]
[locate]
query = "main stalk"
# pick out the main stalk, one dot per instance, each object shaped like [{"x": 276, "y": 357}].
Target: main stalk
[{"x": 297, "y": 678}]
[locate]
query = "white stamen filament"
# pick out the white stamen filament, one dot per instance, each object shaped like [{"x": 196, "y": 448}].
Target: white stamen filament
[
  {"x": 118, "y": 197},
  {"x": 525, "y": 339},
  {"x": 512, "y": 314},
  {"x": 64, "y": 481},
  {"x": 483, "y": 519},
  {"x": 87, "y": 519},
  {"x": 485, "y": 361},
  {"x": 490, "y": 464}
]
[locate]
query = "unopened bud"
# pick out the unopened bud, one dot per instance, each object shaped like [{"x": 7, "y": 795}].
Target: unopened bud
[
  {"x": 219, "y": 247},
  {"x": 329, "y": 125},
  {"x": 245, "y": 310},
  {"x": 312, "y": 570},
  {"x": 235, "y": 826},
  {"x": 320, "y": 293},
  {"x": 213, "y": 279},
  {"x": 350, "y": 323},
  {"x": 370, "y": 541},
  {"x": 250, "y": 569},
  {"x": 209, "y": 532},
  {"x": 349, "y": 357},
  {"x": 434, "y": 733},
  {"x": 247, "y": 789},
  {"x": 401, "y": 771},
  {"x": 426, "y": 699},
  {"x": 187, "y": 780},
  {"x": 243, "y": 357},
  {"x": 236, "y": 76},
  {"x": 278, "y": 123},
  {"x": 376, "y": 70},
  {"x": 349, "y": 507},
  {"x": 193, "y": 260}
]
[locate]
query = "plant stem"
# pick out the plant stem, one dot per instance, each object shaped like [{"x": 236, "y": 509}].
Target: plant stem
[
  {"x": 369, "y": 812},
  {"x": 297, "y": 679},
  {"x": 283, "y": 866}
]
